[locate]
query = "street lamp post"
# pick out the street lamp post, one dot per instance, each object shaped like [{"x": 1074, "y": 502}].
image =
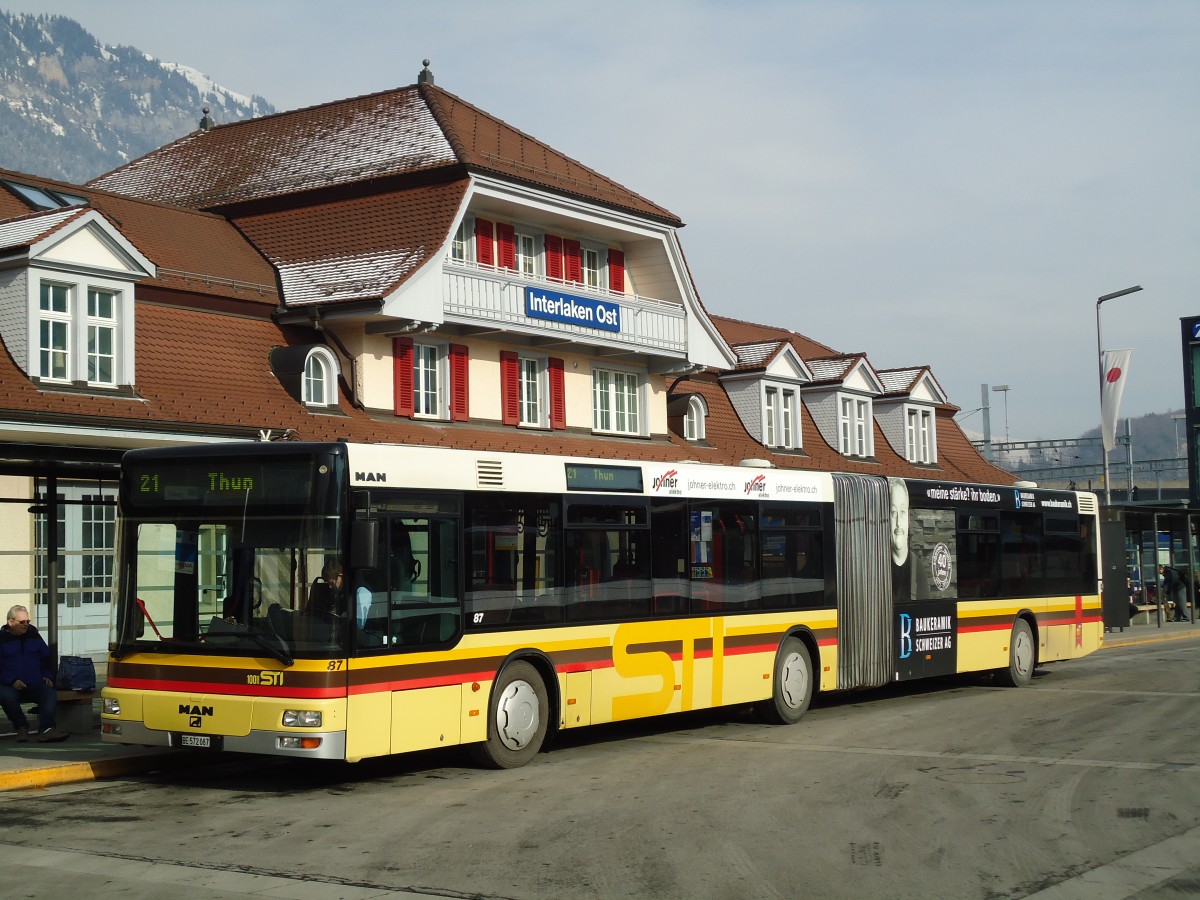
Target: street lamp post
[
  {"x": 1005, "y": 389},
  {"x": 1100, "y": 365}
]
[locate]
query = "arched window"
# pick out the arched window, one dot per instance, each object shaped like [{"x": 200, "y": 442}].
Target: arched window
[
  {"x": 320, "y": 378},
  {"x": 693, "y": 419}
]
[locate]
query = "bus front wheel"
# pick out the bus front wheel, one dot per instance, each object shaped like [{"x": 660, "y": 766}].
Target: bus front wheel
[
  {"x": 1022, "y": 656},
  {"x": 793, "y": 685},
  {"x": 517, "y": 720}
]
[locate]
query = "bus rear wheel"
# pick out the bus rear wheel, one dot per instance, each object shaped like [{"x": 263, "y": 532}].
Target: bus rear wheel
[
  {"x": 1022, "y": 656},
  {"x": 517, "y": 720},
  {"x": 792, "y": 685}
]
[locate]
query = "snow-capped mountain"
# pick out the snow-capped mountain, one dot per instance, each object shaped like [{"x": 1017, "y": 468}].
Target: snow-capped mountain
[{"x": 73, "y": 109}]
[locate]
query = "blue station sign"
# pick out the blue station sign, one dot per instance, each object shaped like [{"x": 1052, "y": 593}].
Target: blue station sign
[{"x": 555, "y": 307}]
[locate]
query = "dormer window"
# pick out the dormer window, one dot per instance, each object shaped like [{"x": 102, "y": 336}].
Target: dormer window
[
  {"x": 81, "y": 341},
  {"x": 920, "y": 435},
  {"x": 855, "y": 427},
  {"x": 780, "y": 418},
  {"x": 694, "y": 419},
  {"x": 319, "y": 387}
]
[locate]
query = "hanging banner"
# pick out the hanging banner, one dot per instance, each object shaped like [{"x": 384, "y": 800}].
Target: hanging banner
[{"x": 1116, "y": 368}]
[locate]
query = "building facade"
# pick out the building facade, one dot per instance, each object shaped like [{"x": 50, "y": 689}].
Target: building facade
[{"x": 401, "y": 267}]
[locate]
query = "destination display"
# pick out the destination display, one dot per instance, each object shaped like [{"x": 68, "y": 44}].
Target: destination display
[
  {"x": 584, "y": 477},
  {"x": 220, "y": 482}
]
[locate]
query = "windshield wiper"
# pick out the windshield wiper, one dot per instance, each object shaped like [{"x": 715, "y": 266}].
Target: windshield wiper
[{"x": 279, "y": 651}]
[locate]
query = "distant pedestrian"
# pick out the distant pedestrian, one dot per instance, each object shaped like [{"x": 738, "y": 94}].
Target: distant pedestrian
[
  {"x": 27, "y": 676},
  {"x": 1172, "y": 591}
]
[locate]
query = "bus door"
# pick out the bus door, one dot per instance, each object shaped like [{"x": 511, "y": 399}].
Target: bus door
[
  {"x": 862, "y": 537},
  {"x": 411, "y": 597}
]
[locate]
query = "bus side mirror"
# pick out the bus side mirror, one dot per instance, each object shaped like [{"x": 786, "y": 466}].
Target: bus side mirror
[{"x": 364, "y": 538}]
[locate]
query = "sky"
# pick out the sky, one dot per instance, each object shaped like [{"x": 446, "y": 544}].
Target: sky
[{"x": 951, "y": 183}]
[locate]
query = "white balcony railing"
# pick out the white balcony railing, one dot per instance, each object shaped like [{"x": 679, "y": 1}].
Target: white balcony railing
[{"x": 474, "y": 294}]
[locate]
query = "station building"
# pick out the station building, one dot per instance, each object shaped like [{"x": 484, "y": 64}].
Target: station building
[{"x": 399, "y": 267}]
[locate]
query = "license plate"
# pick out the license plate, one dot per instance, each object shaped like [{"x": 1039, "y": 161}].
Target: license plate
[{"x": 200, "y": 741}]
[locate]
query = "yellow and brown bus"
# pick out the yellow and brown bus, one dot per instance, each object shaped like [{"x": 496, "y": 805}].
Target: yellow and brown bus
[{"x": 344, "y": 601}]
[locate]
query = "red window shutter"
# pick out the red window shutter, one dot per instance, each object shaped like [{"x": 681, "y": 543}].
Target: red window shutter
[
  {"x": 554, "y": 257},
  {"x": 402, "y": 376},
  {"x": 616, "y": 271},
  {"x": 460, "y": 395},
  {"x": 506, "y": 246},
  {"x": 510, "y": 390},
  {"x": 558, "y": 400},
  {"x": 573, "y": 261},
  {"x": 485, "y": 253}
]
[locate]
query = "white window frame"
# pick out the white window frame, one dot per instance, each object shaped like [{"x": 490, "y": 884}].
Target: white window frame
[
  {"x": 318, "y": 385},
  {"x": 528, "y": 264},
  {"x": 533, "y": 392},
  {"x": 598, "y": 272},
  {"x": 80, "y": 345},
  {"x": 462, "y": 245},
  {"x": 100, "y": 327},
  {"x": 920, "y": 435},
  {"x": 780, "y": 418},
  {"x": 694, "y": 424},
  {"x": 855, "y": 429},
  {"x": 618, "y": 401},
  {"x": 431, "y": 378},
  {"x": 54, "y": 327}
]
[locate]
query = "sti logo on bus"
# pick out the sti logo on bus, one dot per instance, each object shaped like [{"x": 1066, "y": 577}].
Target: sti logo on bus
[
  {"x": 370, "y": 476},
  {"x": 195, "y": 713},
  {"x": 757, "y": 483},
  {"x": 668, "y": 481}
]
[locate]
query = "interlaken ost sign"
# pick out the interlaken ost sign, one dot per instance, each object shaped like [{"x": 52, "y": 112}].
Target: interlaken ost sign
[{"x": 555, "y": 307}]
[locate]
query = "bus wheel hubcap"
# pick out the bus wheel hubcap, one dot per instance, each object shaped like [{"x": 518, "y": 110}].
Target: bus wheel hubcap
[
  {"x": 517, "y": 715},
  {"x": 793, "y": 681},
  {"x": 1023, "y": 653}
]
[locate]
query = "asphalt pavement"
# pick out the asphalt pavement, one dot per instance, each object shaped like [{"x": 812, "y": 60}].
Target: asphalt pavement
[{"x": 29, "y": 766}]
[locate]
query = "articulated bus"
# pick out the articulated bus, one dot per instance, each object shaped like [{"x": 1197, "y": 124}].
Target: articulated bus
[{"x": 344, "y": 601}]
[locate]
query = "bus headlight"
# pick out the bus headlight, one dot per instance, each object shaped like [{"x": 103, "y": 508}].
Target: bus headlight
[
  {"x": 112, "y": 706},
  {"x": 302, "y": 718}
]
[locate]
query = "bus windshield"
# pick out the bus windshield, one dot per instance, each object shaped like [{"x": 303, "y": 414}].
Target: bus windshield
[{"x": 245, "y": 562}]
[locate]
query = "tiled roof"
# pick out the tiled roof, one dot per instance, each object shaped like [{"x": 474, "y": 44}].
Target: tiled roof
[
  {"x": 898, "y": 381},
  {"x": 757, "y": 355},
  {"x": 958, "y": 458},
  {"x": 358, "y": 248},
  {"x": 738, "y": 332},
  {"x": 833, "y": 368},
  {"x": 28, "y": 229},
  {"x": 409, "y": 131},
  {"x": 193, "y": 251}
]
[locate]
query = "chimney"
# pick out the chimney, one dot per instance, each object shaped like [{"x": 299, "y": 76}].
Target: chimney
[
  {"x": 425, "y": 76},
  {"x": 207, "y": 122}
]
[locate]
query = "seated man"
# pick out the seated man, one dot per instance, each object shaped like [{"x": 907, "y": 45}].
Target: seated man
[
  {"x": 325, "y": 596},
  {"x": 27, "y": 675}
]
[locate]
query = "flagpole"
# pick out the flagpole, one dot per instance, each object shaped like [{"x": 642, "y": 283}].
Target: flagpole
[{"x": 1100, "y": 365}]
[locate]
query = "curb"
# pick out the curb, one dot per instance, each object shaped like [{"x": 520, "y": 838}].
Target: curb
[
  {"x": 71, "y": 773},
  {"x": 1151, "y": 639}
]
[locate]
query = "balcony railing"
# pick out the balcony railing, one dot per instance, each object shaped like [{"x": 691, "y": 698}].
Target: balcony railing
[{"x": 473, "y": 294}]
